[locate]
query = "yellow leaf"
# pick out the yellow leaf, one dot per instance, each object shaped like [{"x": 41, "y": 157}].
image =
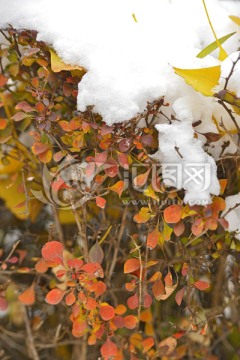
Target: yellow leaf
[
  {"x": 15, "y": 200},
  {"x": 58, "y": 65},
  {"x": 202, "y": 80},
  {"x": 222, "y": 54},
  {"x": 235, "y": 19},
  {"x": 150, "y": 193},
  {"x": 13, "y": 164}
]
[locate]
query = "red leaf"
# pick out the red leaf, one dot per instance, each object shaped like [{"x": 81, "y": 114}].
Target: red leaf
[
  {"x": 201, "y": 285},
  {"x": 179, "y": 228},
  {"x": 3, "y": 304},
  {"x": 53, "y": 251},
  {"x": 179, "y": 296},
  {"x": 118, "y": 321},
  {"x": 75, "y": 263},
  {"x": 108, "y": 349},
  {"x": 24, "y": 105},
  {"x": 124, "y": 144},
  {"x": 19, "y": 116},
  {"x": 106, "y": 311},
  {"x": 70, "y": 299},
  {"x": 101, "y": 202},
  {"x": 131, "y": 265},
  {"x": 123, "y": 160},
  {"x": 185, "y": 269},
  {"x": 55, "y": 296},
  {"x": 101, "y": 158},
  {"x": 133, "y": 302},
  {"x": 60, "y": 273},
  {"x": 106, "y": 130},
  {"x": 93, "y": 269},
  {"x": 152, "y": 239},
  {"x": 28, "y": 296},
  {"x": 173, "y": 214},
  {"x": 111, "y": 168},
  {"x": 147, "y": 301},
  {"x": 59, "y": 184},
  {"x": 130, "y": 321}
]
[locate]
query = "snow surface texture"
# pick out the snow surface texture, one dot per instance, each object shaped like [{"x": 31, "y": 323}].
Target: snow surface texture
[
  {"x": 233, "y": 217},
  {"x": 130, "y": 63}
]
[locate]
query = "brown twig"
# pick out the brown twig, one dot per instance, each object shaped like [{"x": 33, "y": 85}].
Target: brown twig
[{"x": 29, "y": 340}]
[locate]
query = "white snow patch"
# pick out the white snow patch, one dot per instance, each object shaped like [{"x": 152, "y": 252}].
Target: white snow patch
[{"x": 177, "y": 146}]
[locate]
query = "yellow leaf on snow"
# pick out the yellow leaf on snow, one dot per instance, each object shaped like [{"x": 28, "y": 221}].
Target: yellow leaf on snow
[
  {"x": 58, "y": 65},
  {"x": 202, "y": 80},
  {"x": 235, "y": 19}
]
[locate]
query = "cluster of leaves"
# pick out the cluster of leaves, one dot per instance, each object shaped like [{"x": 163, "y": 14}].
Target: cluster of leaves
[{"x": 137, "y": 282}]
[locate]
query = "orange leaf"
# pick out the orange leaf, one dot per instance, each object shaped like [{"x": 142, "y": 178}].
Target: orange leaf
[
  {"x": 179, "y": 228},
  {"x": 147, "y": 344},
  {"x": 55, "y": 296},
  {"x": 39, "y": 148},
  {"x": 41, "y": 266},
  {"x": 108, "y": 349},
  {"x": 173, "y": 214},
  {"x": 3, "y": 80},
  {"x": 106, "y": 311},
  {"x": 3, "y": 124},
  {"x": 158, "y": 289},
  {"x": 201, "y": 285},
  {"x": 131, "y": 265},
  {"x": 90, "y": 304},
  {"x": 118, "y": 187},
  {"x": 141, "y": 179},
  {"x": 53, "y": 251},
  {"x": 152, "y": 238},
  {"x": 101, "y": 202},
  {"x": 46, "y": 156},
  {"x": 143, "y": 216},
  {"x": 130, "y": 321},
  {"x": 120, "y": 309},
  {"x": 28, "y": 296},
  {"x": 70, "y": 299},
  {"x": 197, "y": 227}
]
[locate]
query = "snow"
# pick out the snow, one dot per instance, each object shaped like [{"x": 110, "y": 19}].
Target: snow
[
  {"x": 233, "y": 216},
  {"x": 178, "y": 146},
  {"x": 130, "y": 63}
]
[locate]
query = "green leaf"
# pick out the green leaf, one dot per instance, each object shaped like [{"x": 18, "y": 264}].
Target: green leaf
[{"x": 214, "y": 45}]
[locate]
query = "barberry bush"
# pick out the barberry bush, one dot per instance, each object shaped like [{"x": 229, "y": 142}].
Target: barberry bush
[{"x": 99, "y": 259}]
